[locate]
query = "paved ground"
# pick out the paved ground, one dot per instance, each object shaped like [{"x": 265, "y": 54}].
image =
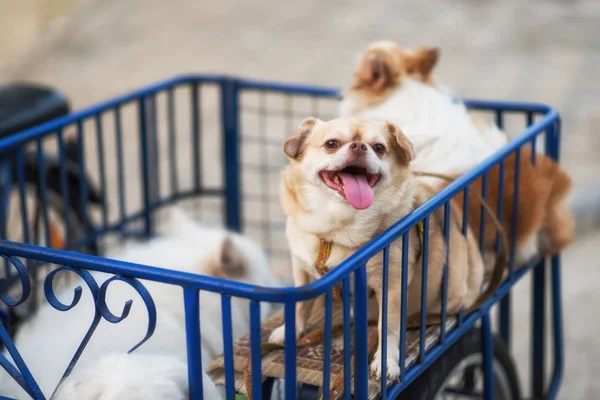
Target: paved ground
[{"x": 544, "y": 51}]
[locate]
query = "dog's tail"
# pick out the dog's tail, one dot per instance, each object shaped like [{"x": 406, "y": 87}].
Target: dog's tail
[{"x": 122, "y": 376}]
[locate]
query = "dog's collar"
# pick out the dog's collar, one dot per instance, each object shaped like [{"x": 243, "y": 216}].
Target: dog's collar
[
  {"x": 325, "y": 250},
  {"x": 420, "y": 233},
  {"x": 321, "y": 265},
  {"x": 323, "y": 256}
]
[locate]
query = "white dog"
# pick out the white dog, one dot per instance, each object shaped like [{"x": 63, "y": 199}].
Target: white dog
[
  {"x": 394, "y": 84},
  {"x": 135, "y": 376},
  {"x": 49, "y": 340}
]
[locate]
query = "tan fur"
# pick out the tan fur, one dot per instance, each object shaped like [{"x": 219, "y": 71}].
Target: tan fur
[
  {"x": 229, "y": 263},
  {"x": 316, "y": 212},
  {"x": 541, "y": 203},
  {"x": 389, "y": 60},
  {"x": 384, "y": 66},
  {"x": 545, "y": 222}
]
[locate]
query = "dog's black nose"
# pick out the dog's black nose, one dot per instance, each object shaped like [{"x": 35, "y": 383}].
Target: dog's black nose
[{"x": 358, "y": 147}]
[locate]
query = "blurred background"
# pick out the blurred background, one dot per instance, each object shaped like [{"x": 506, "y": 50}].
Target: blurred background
[{"x": 545, "y": 51}]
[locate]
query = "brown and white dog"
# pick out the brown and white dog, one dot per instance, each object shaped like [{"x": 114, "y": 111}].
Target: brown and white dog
[
  {"x": 394, "y": 84},
  {"x": 347, "y": 181}
]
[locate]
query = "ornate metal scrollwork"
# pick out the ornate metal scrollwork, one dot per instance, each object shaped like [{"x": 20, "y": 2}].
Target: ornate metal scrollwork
[
  {"x": 101, "y": 308},
  {"x": 144, "y": 294},
  {"x": 19, "y": 371}
]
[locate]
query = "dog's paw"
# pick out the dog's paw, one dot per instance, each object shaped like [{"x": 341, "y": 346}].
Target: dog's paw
[
  {"x": 392, "y": 365},
  {"x": 278, "y": 335}
]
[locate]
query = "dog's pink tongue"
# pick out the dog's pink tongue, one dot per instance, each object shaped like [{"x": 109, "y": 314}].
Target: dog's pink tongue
[{"x": 357, "y": 190}]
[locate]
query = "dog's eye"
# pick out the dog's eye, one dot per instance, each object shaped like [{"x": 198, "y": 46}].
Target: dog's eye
[
  {"x": 379, "y": 148},
  {"x": 332, "y": 144}
]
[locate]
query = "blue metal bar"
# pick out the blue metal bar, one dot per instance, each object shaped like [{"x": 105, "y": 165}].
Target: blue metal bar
[
  {"x": 83, "y": 190},
  {"x": 504, "y": 319},
  {"x": 228, "y": 347},
  {"x": 255, "y": 352},
  {"x": 6, "y": 181},
  {"x": 444, "y": 310},
  {"x": 512, "y": 106},
  {"x": 504, "y": 311},
  {"x": 504, "y": 315},
  {"x": 347, "y": 333},
  {"x": 23, "y": 196},
  {"x": 505, "y": 305},
  {"x": 196, "y": 135},
  {"x": 500, "y": 209},
  {"x": 101, "y": 169},
  {"x": 64, "y": 189},
  {"x": 193, "y": 342},
  {"x": 172, "y": 141},
  {"x": 384, "y": 320},
  {"x": 290, "y": 350},
  {"x": 538, "y": 331},
  {"x": 153, "y": 150},
  {"x": 553, "y": 150},
  {"x": 403, "y": 306},
  {"x": 266, "y": 205},
  {"x": 529, "y": 122},
  {"x": 144, "y": 166},
  {"x": 43, "y": 191},
  {"x": 120, "y": 163},
  {"x": 484, "y": 191},
  {"x": 327, "y": 344},
  {"x": 6, "y": 187},
  {"x": 553, "y": 140},
  {"x": 361, "y": 356},
  {"x": 231, "y": 156},
  {"x": 515, "y": 220},
  {"x": 552, "y": 144},
  {"x": 500, "y": 119},
  {"x": 465, "y": 221},
  {"x": 557, "y": 329},
  {"x": 488, "y": 357},
  {"x": 424, "y": 265}
]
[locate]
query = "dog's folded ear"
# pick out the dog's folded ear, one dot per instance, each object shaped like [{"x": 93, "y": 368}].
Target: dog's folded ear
[
  {"x": 232, "y": 262},
  {"x": 295, "y": 144},
  {"x": 422, "y": 61},
  {"x": 376, "y": 71},
  {"x": 400, "y": 144}
]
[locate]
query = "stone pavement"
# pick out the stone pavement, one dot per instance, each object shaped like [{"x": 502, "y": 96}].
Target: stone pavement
[{"x": 546, "y": 51}]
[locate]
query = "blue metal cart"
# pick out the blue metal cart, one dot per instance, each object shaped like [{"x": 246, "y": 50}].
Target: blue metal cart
[{"x": 200, "y": 116}]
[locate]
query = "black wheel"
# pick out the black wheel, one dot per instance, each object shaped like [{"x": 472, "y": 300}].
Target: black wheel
[{"x": 458, "y": 373}]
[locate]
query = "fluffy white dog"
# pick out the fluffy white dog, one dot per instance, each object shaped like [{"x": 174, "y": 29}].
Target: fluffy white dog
[
  {"x": 393, "y": 84},
  {"x": 158, "y": 369}
]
